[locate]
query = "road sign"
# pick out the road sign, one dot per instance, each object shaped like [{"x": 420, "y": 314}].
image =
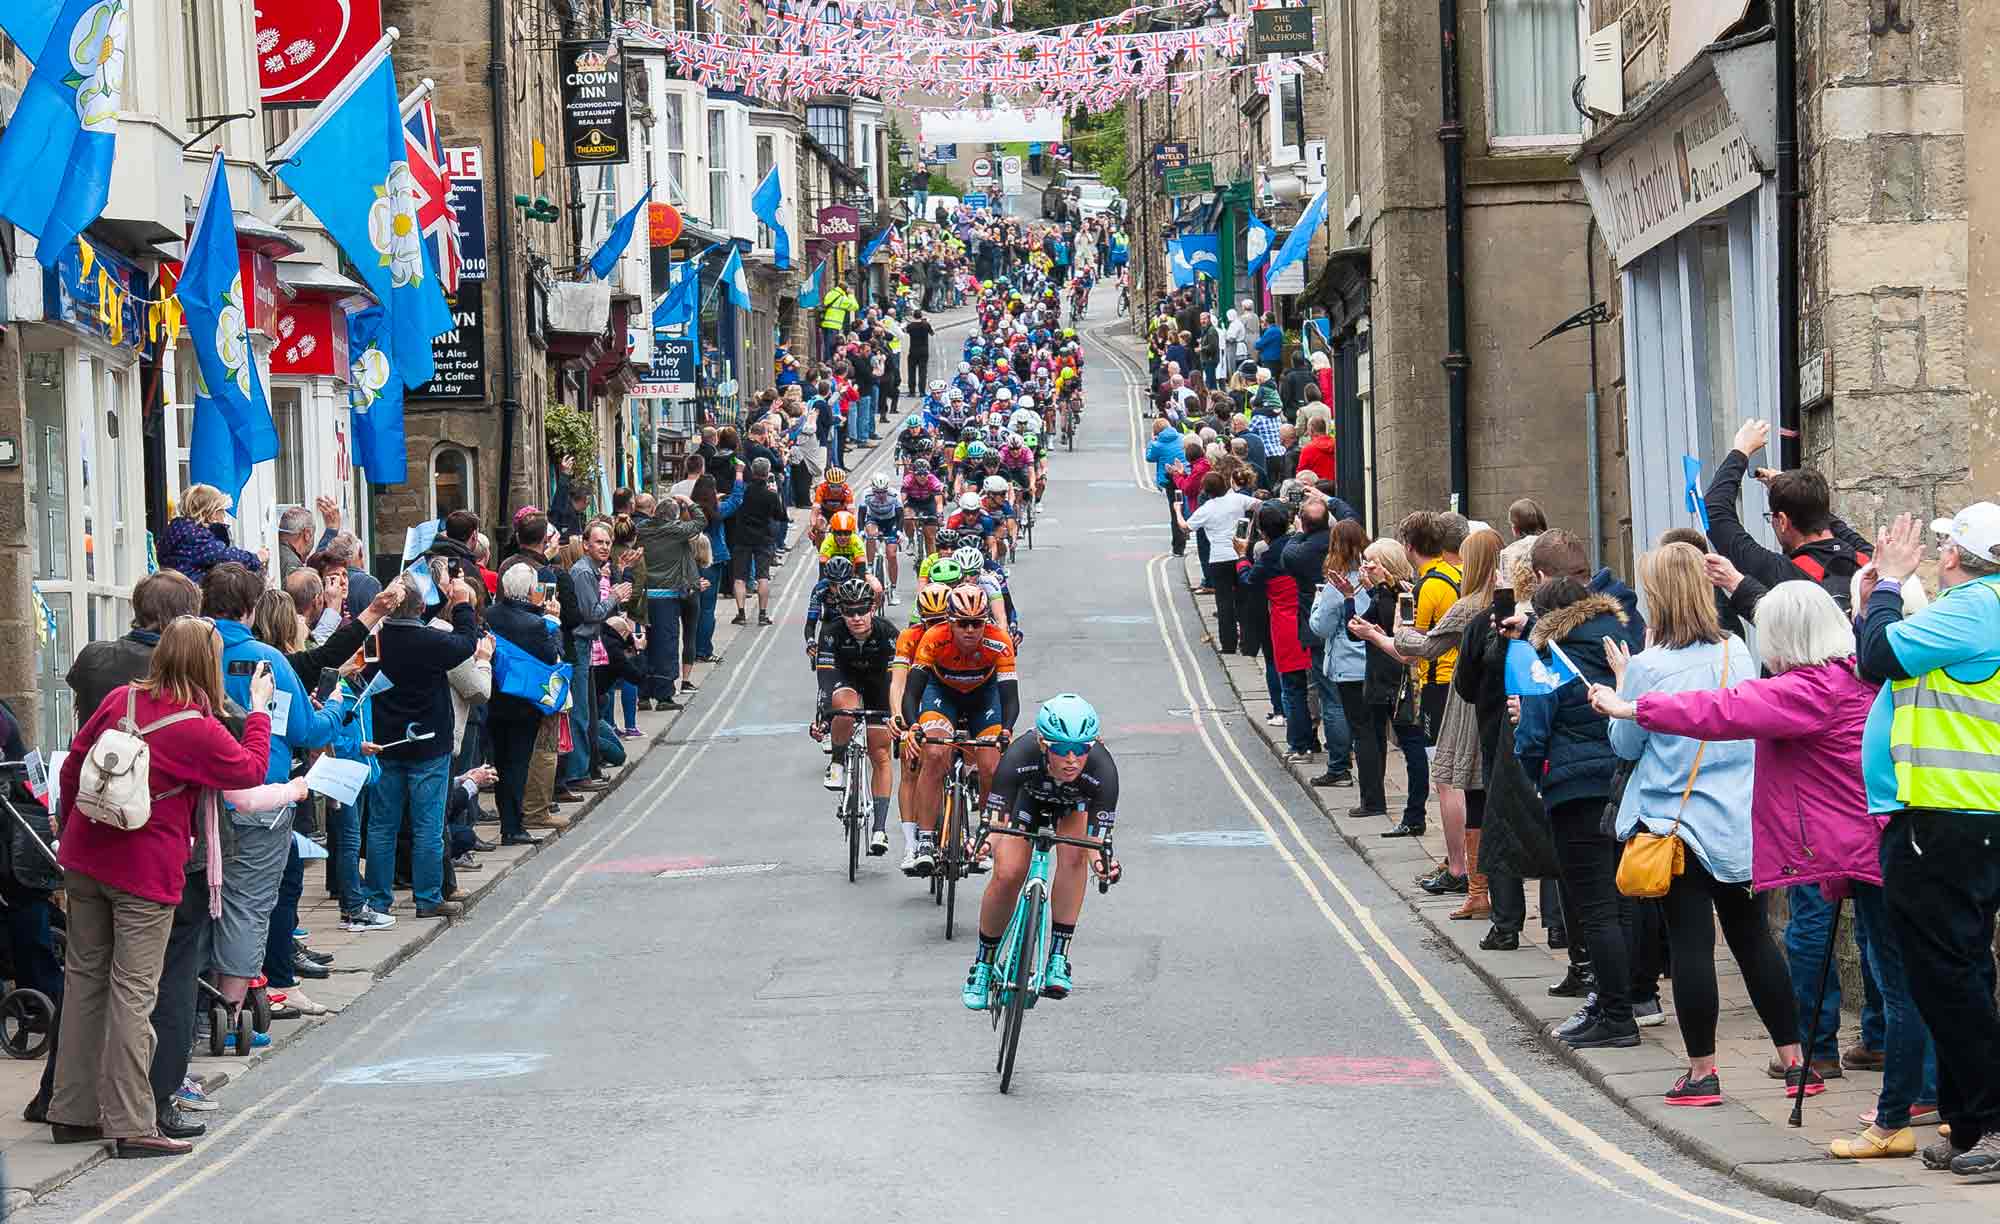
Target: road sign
[
  {"x": 982, "y": 167},
  {"x": 1010, "y": 175},
  {"x": 1282, "y": 31},
  {"x": 975, "y": 199},
  {"x": 1190, "y": 179}
]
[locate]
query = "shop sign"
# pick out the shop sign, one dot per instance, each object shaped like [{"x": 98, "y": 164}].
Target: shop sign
[
  {"x": 663, "y": 224},
  {"x": 1290, "y": 279},
  {"x": 839, "y": 223},
  {"x": 305, "y": 47},
  {"x": 460, "y": 354},
  {"x": 311, "y": 340},
  {"x": 1189, "y": 179},
  {"x": 1683, "y": 168},
  {"x": 595, "y": 123},
  {"x": 1169, "y": 155},
  {"x": 1282, "y": 31},
  {"x": 76, "y": 298},
  {"x": 260, "y": 289},
  {"x": 466, "y": 168}
]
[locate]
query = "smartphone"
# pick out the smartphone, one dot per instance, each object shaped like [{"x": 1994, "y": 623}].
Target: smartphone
[
  {"x": 1406, "y": 608},
  {"x": 1243, "y": 529},
  {"x": 243, "y": 667},
  {"x": 548, "y": 592},
  {"x": 1503, "y": 604},
  {"x": 329, "y": 678},
  {"x": 371, "y": 649}
]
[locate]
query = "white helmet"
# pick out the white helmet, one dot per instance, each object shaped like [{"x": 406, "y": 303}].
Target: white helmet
[
  {"x": 937, "y": 384},
  {"x": 995, "y": 484},
  {"x": 1013, "y": 437},
  {"x": 954, "y": 396},
  {"x": 968, "y": 501},
  {"x": 879, "y": 482},
  {"x": 1003, "y": 395},
  {"x": 965, "y": 367},
  {"x": 1027, "y": 403}
]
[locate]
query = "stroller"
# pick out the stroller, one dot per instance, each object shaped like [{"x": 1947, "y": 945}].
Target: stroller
[{"x": 27, "y": 1015}]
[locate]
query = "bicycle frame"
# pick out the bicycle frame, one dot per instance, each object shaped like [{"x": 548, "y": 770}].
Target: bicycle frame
[{"x": 1031, "y": 909}]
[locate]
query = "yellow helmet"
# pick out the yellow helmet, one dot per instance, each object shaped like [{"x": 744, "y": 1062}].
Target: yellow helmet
[
  {"x": 836, "y": 476},
  {"x": 933, "y": 601}
]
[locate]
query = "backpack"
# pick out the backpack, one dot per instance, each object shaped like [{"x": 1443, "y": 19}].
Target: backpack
[{"x": 115, "y": 786}]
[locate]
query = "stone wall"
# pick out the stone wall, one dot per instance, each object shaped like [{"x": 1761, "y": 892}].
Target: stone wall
[{"x": 1884, "y": 230}]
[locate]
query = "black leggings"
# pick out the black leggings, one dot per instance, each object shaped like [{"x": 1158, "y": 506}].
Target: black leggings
[
  {"x": 1692, "y": 906},
  {"x": 1475, "y": 809},
  {"x": 1589, "y": 862}
]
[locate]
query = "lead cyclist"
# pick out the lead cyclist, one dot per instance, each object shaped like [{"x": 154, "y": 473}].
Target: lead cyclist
[{"x": 1059, "y": 770}]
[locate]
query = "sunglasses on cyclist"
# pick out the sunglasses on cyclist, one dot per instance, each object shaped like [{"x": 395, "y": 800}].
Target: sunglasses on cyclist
[
  {"x": 969, "y": 622},
  {"x": 1066, "y": 748}
]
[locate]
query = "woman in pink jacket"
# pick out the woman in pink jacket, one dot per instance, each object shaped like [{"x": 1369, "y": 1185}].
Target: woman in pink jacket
[{"x": 1809, "y": 810}]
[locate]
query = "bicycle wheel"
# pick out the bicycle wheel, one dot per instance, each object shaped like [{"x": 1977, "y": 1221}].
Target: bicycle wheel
[
  {"x": 852, "y": 810},
  {"x": 1025, "y": 959},
  {"x": 952, "y": 847},
  {"x": 1028, "y": 526},
  {"x": 947, "y": 825}
]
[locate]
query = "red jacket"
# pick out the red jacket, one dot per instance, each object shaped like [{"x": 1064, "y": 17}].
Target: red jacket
[
  {"x": 151, "y": 861},
  {"x": 1316, "y": 456}
]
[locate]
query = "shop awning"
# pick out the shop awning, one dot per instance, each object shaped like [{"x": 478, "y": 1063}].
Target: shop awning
[{"x": 1341, "y": 284}]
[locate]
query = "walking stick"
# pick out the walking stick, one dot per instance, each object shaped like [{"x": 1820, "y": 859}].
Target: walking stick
[{"x": 1812, "y": 1025}]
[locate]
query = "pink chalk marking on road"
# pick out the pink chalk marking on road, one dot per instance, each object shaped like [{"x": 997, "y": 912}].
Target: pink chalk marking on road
[
  {"x": 649, "y": 866},
  {"x": 1154, "y": 728},
  {"x": 1339, "y": 1071}
]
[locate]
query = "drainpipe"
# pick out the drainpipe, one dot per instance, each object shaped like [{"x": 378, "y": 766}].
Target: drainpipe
[
  {"x": 1451, "y": 134},
  {"x": 1788, "y": 439},
  {"x": 502, "y": 257},
  {"x": 1591, "y": 474}
]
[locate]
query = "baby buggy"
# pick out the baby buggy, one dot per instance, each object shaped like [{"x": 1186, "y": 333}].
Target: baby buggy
[{"x": 27, "y": 1014}]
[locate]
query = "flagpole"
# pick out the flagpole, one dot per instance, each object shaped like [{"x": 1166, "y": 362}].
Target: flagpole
[
  {"x": 425, "y": 88},
  {"x": 335, "y": 100}
]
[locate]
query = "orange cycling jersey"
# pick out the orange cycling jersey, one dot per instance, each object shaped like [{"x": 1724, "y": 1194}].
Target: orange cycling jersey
[
  {"x": 906, "y": 645},
  {"x": 964, "y": 671},
  {"x": 830, "y": 498}
]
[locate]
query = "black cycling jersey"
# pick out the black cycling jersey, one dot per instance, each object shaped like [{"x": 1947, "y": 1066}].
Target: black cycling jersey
[
  {"x": 1021, "y": 784},
  {"x": 841, "y": 651}
]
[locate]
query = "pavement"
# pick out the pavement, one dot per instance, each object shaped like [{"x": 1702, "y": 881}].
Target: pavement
[{"x": 682, "y": 1008}]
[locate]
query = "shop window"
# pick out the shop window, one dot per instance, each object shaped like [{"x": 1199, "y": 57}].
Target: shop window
[
  {"x": 201, "y": 65},
  {"x": 1531, "y": 61},
  {"x": 766, "y": 157},
  {"x": 828, "y": 125},
  {"x": 451, "y": 480},
  {"x": 289, "y": 468},
  {"x": 673, "y": 142}
]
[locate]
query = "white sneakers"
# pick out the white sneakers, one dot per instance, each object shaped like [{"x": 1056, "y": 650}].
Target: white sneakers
[
  {"x": 367, "y": 920},
  {"x": 919, "y": 863},
  {"x": 836, "y": 775}
]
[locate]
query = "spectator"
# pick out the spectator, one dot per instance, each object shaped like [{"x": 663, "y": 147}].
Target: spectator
[
  {"x": 520, "y": 616},
  {"x": 198, "y": 537},
  {"x": 1389, "y": 691},
  {"x": 668, "y": 531},
  {"x": 1293, "y": 386},
  {"x": 123, "y": 886},
  {"x": 1817, "y": 546},
  {"x": 1317, "y": 455},
  {"x": 362, "y": 586},
  {"x": 295, "y": 534},
  {"x": 1525, "y": 518},
  {"x": 1940, "y": 863},
  {"x": 597, "y": 598},
  {"x": 717, "y": 511},
  {"x": 1480, "y": 681},
  {"x": 1286, "y": 662},
  {"x": 751, "y": 554},
  {"x": 1340, "y": 659},
  {"x": 1164, "y": 450},
  {"x": 102, "y": 666},
  {"x": 1215, "y": 522},
  {"x": 532, "y": 539},
  {"x": 1270, "y": 344}
]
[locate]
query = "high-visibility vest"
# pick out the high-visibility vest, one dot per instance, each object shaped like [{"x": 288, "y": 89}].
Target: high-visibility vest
[
  {"x": 1945, "y": 739},
  {"x": 834, "y": 312}
]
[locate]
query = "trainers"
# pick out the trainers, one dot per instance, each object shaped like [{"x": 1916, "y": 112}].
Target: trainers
[
  {"x": 1056, "y": 983},
  {"x": 878, "y": 843},
  {"x": 739, "y": 618},
  {"x": 257, "y": 1041},
  {"x": 1448, "y": 885},
  {"x": 1579, "y": 1020},
  {"x": 978, "y": 985},
  {"x": 894, "y": 599},
  {"x": 836, "y": 775},
  {"x": 366, "y": 920},
  {"x": 1801, "y": 1078},
  {"x": 764, "y": 618},
  {"x": 1576, "y": 984},
  {"x": 1605, "y": 1033},
  {"x": 1649, "y": 1014},
  {"x": 1938, "y": 1156},
  {"x": 919, "y": 863},
  {"x": 1981, "y": 1161},
  {"x": 1703, "y": 1092},
  {"x": 190, "y": 1097}
]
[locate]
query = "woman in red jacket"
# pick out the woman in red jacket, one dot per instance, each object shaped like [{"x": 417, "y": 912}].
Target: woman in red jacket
[{"x": 123, "y": 885}]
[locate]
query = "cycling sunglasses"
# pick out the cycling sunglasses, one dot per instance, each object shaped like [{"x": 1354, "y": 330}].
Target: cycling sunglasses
[
  {"x": 969, "y": 622},
  {"x": 1067, "y": 748}
]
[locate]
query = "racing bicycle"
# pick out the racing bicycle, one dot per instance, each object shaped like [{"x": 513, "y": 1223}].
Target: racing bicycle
[
  {"x": 854, "y": 809},
  {"x": 961, "y": 802},
  {"x": 1021, "y": 963}
]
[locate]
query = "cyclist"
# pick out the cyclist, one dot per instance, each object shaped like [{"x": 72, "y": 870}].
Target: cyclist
[
  {"x": 830, "y": 496},
  {"x": 996, "y": 500},
  {"x": 819, "y": 604},
  {"x": 881, "y": 523},
  {"x": 971, "y": 521},
  {"x": 853, "y": 660},
  {"x": 923, "y": 505},
  {"x": 931, "y": 608},
  {"x": 842, "y": 540},
  {"x": 1017, "y": 464},
  {"x": 961, "y": 677},
  {"x": 1060, "y": 771}
]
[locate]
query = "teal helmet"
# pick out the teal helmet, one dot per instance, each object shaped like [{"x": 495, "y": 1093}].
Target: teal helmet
[
  {"x": 1067, "y": 723},
  {"x": 914, "y": 422},
  {"x": 976, "y": 450}
]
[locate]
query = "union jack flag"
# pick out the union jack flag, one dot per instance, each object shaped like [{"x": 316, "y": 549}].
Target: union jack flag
[{"x": 434, "y": 211}]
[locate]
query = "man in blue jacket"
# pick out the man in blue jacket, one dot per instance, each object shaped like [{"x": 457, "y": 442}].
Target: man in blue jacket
[{"x": 1163, "y": 452}]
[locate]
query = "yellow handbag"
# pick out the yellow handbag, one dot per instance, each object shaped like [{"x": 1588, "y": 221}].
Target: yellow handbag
[{"x": 1650, "y": 862}]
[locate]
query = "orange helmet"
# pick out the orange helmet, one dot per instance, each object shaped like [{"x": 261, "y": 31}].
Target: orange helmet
[
  {"x": 968, "y": 603},
  {"x": 933, "y": 601},
  {"x": 842, "y": 522}
]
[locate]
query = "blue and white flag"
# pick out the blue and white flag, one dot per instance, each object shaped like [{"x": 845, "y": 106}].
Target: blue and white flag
[
  {"x": 1300, "y": 238},
  {"x": 1259, "y": 239},
  {"x": 232, "y": 429},
  {"x": 732, "y": 278},
  {"x": 350, "y": 165},
  {"x": 875, "y": 244},
  {"x": 1177, "y": 262},
  {"x": 1691, "y": 477},
  {"x": 809, "y": 296},
  {"x": 618, "y": 239},
  {"x": 56, "y": 154},
  {"x": 1203, "y": 253},
  {"x": 375, "y": 395},
  {"x": 765, "y": 202},
  {"x": 1530, "y": 675},
  {"x": 682, "y": 300}
]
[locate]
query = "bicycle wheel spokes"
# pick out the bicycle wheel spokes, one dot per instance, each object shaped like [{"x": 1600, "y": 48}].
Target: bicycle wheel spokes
[
  {"x": 853, "y": 810},
  {"x": 1026, "y": 957}
]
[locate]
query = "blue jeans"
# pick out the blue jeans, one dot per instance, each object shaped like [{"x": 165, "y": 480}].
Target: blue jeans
[
  {"x": 1410, "y": 740},
  {"x": 628, "y": 702},
  {"x": 1909, "y": 1068},
  {"x": 704, "y": 632},
  {"x": 343, "y": 836},
  {"x": 413, "y": 791},
  {"x": 1298, "y": 711},
  {"x": 1806, "y": 933},
  {"x": 610, "y": 749},
  {"x": 1271, "y": 680},
  {"x": 864, "y": 415},
  {"x": 1336, "y": 734},
  {"x": 833, "y": 447},
  {"x": 582, "y": 713}
]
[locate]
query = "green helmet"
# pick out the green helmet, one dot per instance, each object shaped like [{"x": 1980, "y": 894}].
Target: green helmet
[
  {"x": 1031, "y": 441},
  {"x": 947, "y": 571}
]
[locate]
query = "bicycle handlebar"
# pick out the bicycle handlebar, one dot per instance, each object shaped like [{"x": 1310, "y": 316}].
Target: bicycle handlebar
[{"x": 1101, "y": 845}]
